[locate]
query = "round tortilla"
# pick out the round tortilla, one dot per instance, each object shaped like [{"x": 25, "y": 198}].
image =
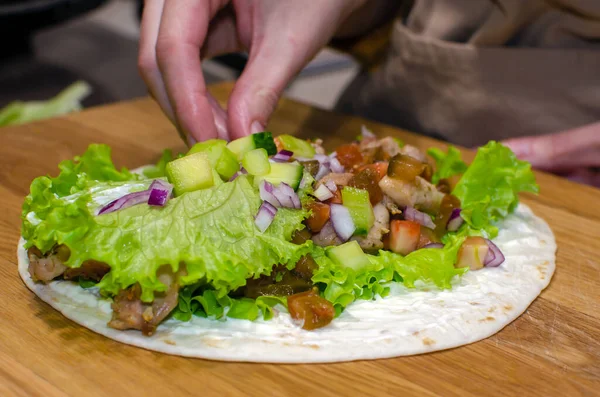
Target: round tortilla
[{"x": 409, "y": 321}]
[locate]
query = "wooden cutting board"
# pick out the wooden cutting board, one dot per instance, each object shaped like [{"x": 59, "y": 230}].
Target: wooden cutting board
[{"x": 552, "y": 349}]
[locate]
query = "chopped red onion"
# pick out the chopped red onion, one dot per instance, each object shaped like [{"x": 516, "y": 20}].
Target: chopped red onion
[
  {"x": 322, "y": 158},
  {"x": 322, "y": 193},
  {"x": 494, "y": 257},
  {"x": 283, "y": 156},
  {"x": 342, "y": 222},
  {"x": 434, "y": 245},
  {"x": 323, "y": 170},
  {"x": 336, "y": 166},
  {"x": 331, "y": 186},
  {"x": 160, "y": 193},
  {"x": 264, "y": 217},
  {"x": 280, "y": 196},
  {"x": 125, "y": 202},
  {"x": 266, "y": 194},
  {"x": 288, "y": 191},
  {"x": 411, "y": 214},
  {"x": 326, "y": 236},
  {"x": 455, "y": 221},
  {"x": 366, "y": 133}
]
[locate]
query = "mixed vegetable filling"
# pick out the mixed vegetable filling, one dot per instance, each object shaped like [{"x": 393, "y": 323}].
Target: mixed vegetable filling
[{"x": 243, "y": 228}]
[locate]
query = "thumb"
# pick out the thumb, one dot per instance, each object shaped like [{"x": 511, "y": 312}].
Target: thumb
[{"x": 281, "y": 45}]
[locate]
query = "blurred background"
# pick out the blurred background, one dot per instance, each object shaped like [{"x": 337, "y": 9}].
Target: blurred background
[{"x": 49, "y": 44}]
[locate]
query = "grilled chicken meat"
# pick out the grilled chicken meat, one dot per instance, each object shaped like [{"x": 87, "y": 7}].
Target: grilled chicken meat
[
  {"x": 419, "y": 194},
  {"x": 46, "y": 268},
  {"x": 129, "y": 312},
  {"x": 373, "y": 241}
]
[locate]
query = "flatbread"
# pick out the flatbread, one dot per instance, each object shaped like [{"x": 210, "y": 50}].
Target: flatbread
[{"x": 408, "y": 322}]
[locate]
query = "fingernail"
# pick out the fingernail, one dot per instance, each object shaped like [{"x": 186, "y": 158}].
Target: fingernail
[
  {"x": 256, "y": 127},
  {"x": 191, "y": 140}
]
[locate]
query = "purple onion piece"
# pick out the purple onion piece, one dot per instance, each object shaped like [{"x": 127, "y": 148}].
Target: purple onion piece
[
  {"x": 494, "y": 257},
  {"x": 331, "y": 186},
  {"x": 283, "y": 156},
  {"x": 125, "y": 202},
  {"x": 264, "y": 217},
  {"x": 365, "y": 132},
  {"x": 434, "y": 245},
  {"x": 411, "y": 214},
  {"x": 342, "y": 222},
  {"x": 323, "y": 170},
  {"x": 455, "y": 221},
  {"x": 266, "y": 194},
  {"x": 336, "y": 166},
  {"x": 322, "y": 193},
  {"x": 242, "y": 171}
]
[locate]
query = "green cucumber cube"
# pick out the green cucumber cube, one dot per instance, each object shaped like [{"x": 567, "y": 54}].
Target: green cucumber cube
[
  {"x": 358, "y": 203},
  {"x": 300, "y": 147},
  {"x": 256, "y": 162},
  {"x": 221, "y": 158},
  {"x": 190, "y": 173},
  {"x": 290, "y": 173},
  {"x": 349, "y": 255},
  {"x": 263, "y": 140}
]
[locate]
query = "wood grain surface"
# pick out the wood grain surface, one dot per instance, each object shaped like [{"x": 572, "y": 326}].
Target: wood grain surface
[{"x": 552, "y": 349}]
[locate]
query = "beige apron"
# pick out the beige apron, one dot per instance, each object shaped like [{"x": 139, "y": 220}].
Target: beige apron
[{"x": 468, "y": 71}]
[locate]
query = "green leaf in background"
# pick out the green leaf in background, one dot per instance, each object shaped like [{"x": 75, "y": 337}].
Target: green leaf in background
[
  {"x": 69, "y": 100},
  {"x": 447, "y": 164}
]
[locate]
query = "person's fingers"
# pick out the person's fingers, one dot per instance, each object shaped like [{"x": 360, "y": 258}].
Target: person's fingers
[
  {"x": 587, "y": 176},
  {"x": 222, "y": 36},
  {"x": 220, "y": 117},
  {"x": 147, "y": 64},
  {"x": 575, "y": 148},
  {"x": 282, "y": 40},
  {"x": 183, "y": 28}
]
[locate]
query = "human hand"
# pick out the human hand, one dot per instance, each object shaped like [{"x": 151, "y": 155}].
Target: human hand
[
  {"x": 280, "y": 35},
  {"x": 574, "y": 154}
]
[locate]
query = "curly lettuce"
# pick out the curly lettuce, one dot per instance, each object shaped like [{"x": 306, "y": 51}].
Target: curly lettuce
[
  {"x": 489, "y": 189},
  {"x": 447, "y": 164}
]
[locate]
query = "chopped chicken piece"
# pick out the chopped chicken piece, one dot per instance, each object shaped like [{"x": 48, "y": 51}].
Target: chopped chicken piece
[
  {"x": 373, "y": 241},
  {"x": 419, "y": 194},
  {"x": 414, "y": 152},
  {"x": 46, "y": 268}
]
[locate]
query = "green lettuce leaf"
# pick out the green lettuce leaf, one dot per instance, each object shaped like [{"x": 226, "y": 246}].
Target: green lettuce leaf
[
  {"x": 489, "y": 189},
  {"x": 196, "y": 301},
  {"x": 69, "y": 100},
  {"x": 212, "y": 231},
  {"x": 159, "y": 170},
  {"x": 447, "y": 164}
]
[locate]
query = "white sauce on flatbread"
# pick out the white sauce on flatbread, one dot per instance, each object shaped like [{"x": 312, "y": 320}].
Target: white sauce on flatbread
[{"x": 407, "y": 322}]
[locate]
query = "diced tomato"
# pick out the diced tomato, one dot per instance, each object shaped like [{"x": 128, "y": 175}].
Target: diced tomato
[
  {"x": 308, "y": 307},
  {"x": 404, "y": 236},
  {"x": 380, "y": 168},
  {"x": 318, "y": 217},
  {"x": 368, "y": 179},
  {"x": 349, "y": 155},
  {"x": 472, "y": 253}
]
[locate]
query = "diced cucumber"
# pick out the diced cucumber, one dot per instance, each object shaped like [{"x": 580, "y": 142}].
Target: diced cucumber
[
  {"x": 256, "y": 162},
  {"x": 358, "y": 203},
  {"x": 241, "y": 146},
  {"x": 300, "y": 147},
  {"x": 190, "y": 173},
  {"x": 349, "y": 255},
  {"x": 216, "y": 178},
  {"x": 221, "y": 158},
  {"x": 290, "y": 173}
]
